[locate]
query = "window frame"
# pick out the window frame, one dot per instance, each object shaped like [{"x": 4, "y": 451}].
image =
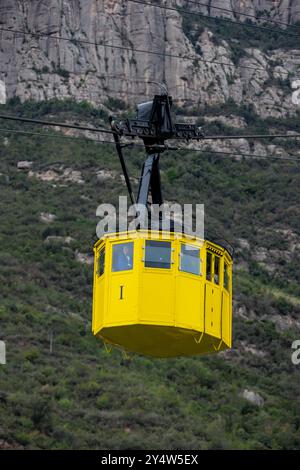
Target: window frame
[
  {"x": 101, "y": 272},
  {"x": 209, "y": 253},
  {"x": 181, "y": 256},
  {"x": 155, "y": 243},
  {"x": 118, "y": 244},
  {"x": 217, "y": 257}
]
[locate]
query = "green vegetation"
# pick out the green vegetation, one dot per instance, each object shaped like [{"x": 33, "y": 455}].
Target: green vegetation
[
  {"x": 241, "y": 36},
  {"x": 78, "y": 396},
  {"x": 66, "y": 108}
]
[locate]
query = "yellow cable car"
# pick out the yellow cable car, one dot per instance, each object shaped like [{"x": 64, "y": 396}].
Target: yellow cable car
[
  {"x": 156, "y": 292},
  {"x": 162, "y": 294}
]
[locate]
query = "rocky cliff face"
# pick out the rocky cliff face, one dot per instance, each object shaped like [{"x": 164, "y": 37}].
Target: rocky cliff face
[
  {"x": 287, "y": 11},
  {"x": 42, "y": 68}
]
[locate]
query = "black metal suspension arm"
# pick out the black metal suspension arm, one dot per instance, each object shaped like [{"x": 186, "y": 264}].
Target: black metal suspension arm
[
  {"x": 123, "y": 165},
  {"x": 150, "y": 181}
]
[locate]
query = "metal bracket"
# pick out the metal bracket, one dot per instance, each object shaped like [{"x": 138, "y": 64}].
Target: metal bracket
[
  {"x": 126, "y": 355},
  {"x": 198, "y": 341},
  {"x": 108, "y": 347},
  {"x": 219, "y": 345}
]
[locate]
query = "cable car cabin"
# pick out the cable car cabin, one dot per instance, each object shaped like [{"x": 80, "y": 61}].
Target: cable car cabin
[{"x": 162, "y": 294}]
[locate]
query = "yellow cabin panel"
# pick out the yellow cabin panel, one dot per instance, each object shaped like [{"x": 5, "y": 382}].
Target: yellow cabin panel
[
  {"x": 189, "y": 302},
  {"x": 157, "y": 297},
  {"x": 99, "y": 297},
  {"x": 226, "y": 318},
  {"x": 217, "y": 319},
  {"x": 95, "y": 292},
  {"x": 212, "y": 310},
  {"x": 208, "y": 309},
  {"x": 123, "y": 299},
  {"x": 99, "y": 304}
]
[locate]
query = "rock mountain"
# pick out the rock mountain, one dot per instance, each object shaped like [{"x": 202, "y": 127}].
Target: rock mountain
[{"x": 46, "y": 67}]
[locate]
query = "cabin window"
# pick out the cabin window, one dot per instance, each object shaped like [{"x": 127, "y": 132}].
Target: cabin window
[
  {"x": 226, "y": 276},
  {"x": 208, "y": 266},
  {"x": 217, "y": 270},
  {"x": 101, "y": 262},
  {"x": 122, "y": 257},
  {"x": 190, "y": 259},
  {"x": 158, "y": 254}
]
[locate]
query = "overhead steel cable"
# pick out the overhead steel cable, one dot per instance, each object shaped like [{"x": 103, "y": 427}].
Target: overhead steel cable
[
  {"x": 214, "y": 18},
  {"x": 81, "y": 139},
  {"x": 293, "y": 158},
  {"x": 55, "y": 124},
  {"x": 253, "y": 136},
  {"x": 108, "y": 131},
  {"x": 130, "y": 49},
  {"x": 247, "y": 15},
  {"x": 247, "y": 155},
  {"x": 55, "y": 136}
]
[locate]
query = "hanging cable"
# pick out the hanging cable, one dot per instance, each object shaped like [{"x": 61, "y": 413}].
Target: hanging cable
[
  {"x": 215, "y": 18},
  {"x": 107, "y": 131},
  {"x": 247, "y": 15},
  {"x": 124, "y": 48},
  {"x": 293, "y": 158}
]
